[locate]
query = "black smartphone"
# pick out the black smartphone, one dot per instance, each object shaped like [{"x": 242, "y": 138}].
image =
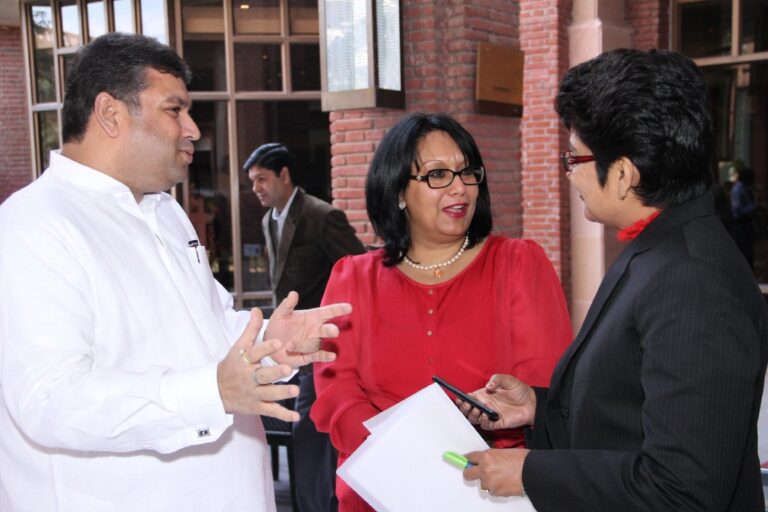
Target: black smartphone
[{"x": 492, "y": 415}]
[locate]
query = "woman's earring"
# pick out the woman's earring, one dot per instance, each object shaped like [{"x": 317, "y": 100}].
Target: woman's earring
[{"x": 401, "y": 205}]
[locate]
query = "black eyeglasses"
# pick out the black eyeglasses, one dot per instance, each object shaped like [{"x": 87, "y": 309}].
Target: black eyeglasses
[
  {"x": 569, "y": 160},
  {"x": 441, "y": 178}
]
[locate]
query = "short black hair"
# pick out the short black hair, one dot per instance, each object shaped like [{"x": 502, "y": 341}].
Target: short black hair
[
  {"x": 117, "y": 64},
  {"x": 388, "y": 177},
  {"x": 273, "y": 156},
  {"x": 648, "y": 106}
]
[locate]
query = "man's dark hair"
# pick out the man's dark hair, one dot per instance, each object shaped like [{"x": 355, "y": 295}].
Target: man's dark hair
[
  {"x": 273, "y": 156},
  {"x": 388, "y": 176},
  {"x": 650, "y": 107},
  {"x": 117, "y": 64}
]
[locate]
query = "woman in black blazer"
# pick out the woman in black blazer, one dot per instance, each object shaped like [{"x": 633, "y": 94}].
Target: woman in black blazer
[{"x": 654, "y": 406}]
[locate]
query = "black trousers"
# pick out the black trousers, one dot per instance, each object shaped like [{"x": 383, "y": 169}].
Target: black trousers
[{"x": 314, "y": 458}]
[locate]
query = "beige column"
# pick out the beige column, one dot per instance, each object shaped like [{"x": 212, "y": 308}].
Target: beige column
[{"x": 597, "y": 26}]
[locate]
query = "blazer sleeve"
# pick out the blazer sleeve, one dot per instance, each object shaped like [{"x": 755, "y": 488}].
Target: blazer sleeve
[
  {"x": 700, "y": 353},
  {"x": 338, "y": 237},
  {"x": 342, "y": 405}
]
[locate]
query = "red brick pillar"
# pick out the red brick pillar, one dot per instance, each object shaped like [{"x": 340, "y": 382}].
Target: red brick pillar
[
  {"x": 15, "y": 171},
  {"x": 649, "y": 20},
  {"x": 546, "y": 218}
]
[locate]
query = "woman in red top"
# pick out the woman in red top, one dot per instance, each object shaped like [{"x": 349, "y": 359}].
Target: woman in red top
[{"x": 443, "y": 297}]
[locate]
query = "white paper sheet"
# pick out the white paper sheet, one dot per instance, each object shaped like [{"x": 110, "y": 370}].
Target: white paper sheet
[{"x": 400, "y": 468}]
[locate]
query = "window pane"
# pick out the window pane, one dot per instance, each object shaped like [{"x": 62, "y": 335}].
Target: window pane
[
  {"x": 153, "y": 16},
  {"x": 209, "y": 193},
  {"x": 740, "y": 111},
  {"x": 705, "y": 28},
  {"x": 754, "y": 26},
  {"x": 388, "y": 44},
  {"x": 258, "y": 67},
  {"x": 97, "y": 19},
  {"x": 123, "y": 11},
  {"x": 347, "y": 40},
  {"x": 66, "y": 62},
  {"x": 70, "y": 23},
  {"x": 256, "y": 16},
  {"x": 47, "y": 135},
  {"x": 203, "y": 25},
  {"x": 42, "y": 52},
  {"x": 304, "y": 129},
  {"x": 303, "y": 16},
  {"x": 305, "y": 67}
]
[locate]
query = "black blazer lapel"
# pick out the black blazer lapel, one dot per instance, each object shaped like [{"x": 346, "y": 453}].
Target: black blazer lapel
[{"x": 286, "y": 237}]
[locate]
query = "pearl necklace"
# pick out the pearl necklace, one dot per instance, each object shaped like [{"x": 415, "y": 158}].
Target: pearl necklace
[{"x": 437, "y": 268}]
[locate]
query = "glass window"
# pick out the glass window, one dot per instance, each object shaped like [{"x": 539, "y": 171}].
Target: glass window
[
  {"x": 43, "y": 37},
  {"x": 303, "y": 127},
  {"x": 123, "y": 13},
  {"x": 754, "y": 26},
  {"x": 66, "y": 63},
  {"x": 203, "y": 25},
  {"x": 70, "y": 23},
  {"x": 388, "y": 44},
  {"x": 303, "y": 16},
  {"x": 256, "y": 16},
  {"x": 97, "y": 19},
  {"x": 705, "y": 28},
  {"x": 210, "y": 202},
  {"x": 154, "y": 20},
  {"x": 740, "y": 113},
  {"x": 347, "y": 40},
  {"x": 258, "y": 67},
  {"x": 48, "y": 135},
  {"x": 305, "y": 67}
]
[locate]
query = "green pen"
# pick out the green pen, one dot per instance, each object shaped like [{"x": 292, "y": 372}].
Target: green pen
[{"x": 457, "y": 460}]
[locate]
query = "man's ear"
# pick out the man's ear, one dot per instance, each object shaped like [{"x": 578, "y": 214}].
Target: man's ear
[
  {"x": 628, "y": 176},
  {"x": 106, "y": 111},
  {"x": 285, "y": 175}
]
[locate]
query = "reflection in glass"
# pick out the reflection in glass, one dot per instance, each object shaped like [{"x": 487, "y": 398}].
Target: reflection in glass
[
  {"x": 303, "y": 127},
  {"x": 206, "y": 59},
  {"x": 754, "y": 28},
  {"x": 705, "y": 28},
  {"x": 66, "y": 63},
  {"x": 388, "y": 44},
  {"x": 740, "y": 113},
  {"x": 303, "y": 16},
  {"x": 202, "y": 17},
  {"x": 305, "y": 67},
  {"x": 97, "y": 19},
  {"x": 258, "y": 67},
  {"x": 256, "y": 16},
  {"x": 153, "y": 16},
  {"x": 123, "y": 13},
  {"x": 209, "y": 193},
  {"x": 70, "y": 23},
  {"x": 47, "y": 135},
  {"x": 42, "y": 52},
  {"x": 347, "y": 44}
]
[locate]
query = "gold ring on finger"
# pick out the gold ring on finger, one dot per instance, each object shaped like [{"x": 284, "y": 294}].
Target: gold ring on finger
[{"x": 245, "y": 357}]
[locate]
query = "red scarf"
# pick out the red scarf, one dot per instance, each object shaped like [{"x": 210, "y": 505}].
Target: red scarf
[{"x": 631, "y": 232}]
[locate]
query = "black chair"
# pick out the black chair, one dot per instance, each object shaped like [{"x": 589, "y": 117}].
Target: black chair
[{"x": 279, "y": 433}]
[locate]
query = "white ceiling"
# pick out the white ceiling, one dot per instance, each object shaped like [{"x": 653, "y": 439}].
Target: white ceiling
[{"x": 9, "y": 12}]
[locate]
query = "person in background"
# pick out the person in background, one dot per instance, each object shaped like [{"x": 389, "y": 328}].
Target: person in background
[
  {"x": 127, "y": 381},
  {"x": 305, "y": 237},
  {"x": 443, "y": 297},
  {"x": 654, "y": 405},
  {"x": 743, "y": 211}
]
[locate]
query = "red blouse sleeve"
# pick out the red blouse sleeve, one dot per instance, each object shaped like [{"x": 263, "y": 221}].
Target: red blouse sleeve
[
  {"x": 341, "y": 405},
  {"x": 542, "y": 327}
]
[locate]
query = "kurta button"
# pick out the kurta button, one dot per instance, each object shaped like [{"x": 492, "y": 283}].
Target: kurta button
[
  {"x": 429, "y": 333},
  {"x": 429, "y": 312},
  {"x": 430, "y": 292},
  {"x": 564, "y": 412},
  {"x": 431, "y": 361}
]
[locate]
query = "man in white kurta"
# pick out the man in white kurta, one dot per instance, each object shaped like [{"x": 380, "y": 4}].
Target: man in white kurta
[{"x": 118, "y": 375}]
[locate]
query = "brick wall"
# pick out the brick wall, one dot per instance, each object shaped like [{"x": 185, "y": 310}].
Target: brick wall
[
  {"x": 440, "y": 42},
  {"x": 649, "y": 20},
  {"x": 546, "y": 219},
  {"x": 14, "y": 130}
]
